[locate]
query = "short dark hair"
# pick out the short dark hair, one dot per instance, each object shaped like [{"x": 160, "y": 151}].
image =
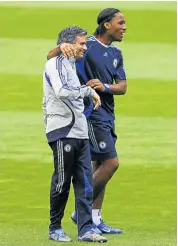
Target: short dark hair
[
  {"x": 105, "y": 15},
  {"x": 69, "y": 34}
]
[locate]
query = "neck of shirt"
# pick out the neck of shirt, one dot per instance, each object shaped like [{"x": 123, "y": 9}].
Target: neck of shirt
[{"x": 106, "y": 46}]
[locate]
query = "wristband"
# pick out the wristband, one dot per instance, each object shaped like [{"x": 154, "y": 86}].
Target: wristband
[{"x": 107, "y": 88}]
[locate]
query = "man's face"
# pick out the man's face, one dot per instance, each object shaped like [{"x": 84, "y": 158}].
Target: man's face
[
  {"x": 80, "y": 46},
  {"x": 117, "y": 27}
]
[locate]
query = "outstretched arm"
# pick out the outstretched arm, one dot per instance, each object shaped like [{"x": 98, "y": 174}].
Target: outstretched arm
[{"x": 66, "y": 48}]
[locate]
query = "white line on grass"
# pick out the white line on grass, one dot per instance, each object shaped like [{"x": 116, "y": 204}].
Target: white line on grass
[
  {"x": 28, "y": 56},
  {"x": 142, "y": 140}
]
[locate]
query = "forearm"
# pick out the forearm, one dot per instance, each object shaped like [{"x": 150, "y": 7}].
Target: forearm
[
  {"x": 73, "y": 93},
  {"x": 118, "y": 89},
  {"x": 54, "y": 52},
  {"x": 67, "y": 50}
]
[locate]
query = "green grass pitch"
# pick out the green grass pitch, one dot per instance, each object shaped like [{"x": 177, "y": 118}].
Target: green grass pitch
[{"x": 141, "y": 198}]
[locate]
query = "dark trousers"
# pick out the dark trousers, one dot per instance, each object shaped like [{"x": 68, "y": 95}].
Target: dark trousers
[{"x": 71, "y": 159}]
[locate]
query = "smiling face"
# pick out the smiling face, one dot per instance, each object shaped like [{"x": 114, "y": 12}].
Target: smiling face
[
  {"x": 116, "y": 27},
  {"x": 80, "y": 46}
]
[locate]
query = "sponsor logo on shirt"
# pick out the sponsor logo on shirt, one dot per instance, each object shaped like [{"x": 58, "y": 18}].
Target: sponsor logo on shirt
[{"x": 105, "y": 54}]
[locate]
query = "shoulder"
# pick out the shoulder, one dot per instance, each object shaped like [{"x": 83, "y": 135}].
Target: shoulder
[
  {"x": 51, "y": 61},
  {"x": 55, "y": 61},
  {"x": 116, "y": 49},
  {"x": 91, "y": 41},
  {"x": 50, "y": 64},
  {"x": 61, "y": 60}
]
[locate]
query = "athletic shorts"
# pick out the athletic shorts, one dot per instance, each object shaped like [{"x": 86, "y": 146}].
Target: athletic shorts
[{"x": 102, "y": 140}]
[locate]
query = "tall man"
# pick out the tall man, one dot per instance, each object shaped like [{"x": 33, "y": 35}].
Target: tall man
[
  {"x": 102, "y": 68},
  {"x": 67, "y": 134}
]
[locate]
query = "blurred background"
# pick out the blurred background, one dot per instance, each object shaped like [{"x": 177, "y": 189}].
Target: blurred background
[{"x": 141, "y": 198}]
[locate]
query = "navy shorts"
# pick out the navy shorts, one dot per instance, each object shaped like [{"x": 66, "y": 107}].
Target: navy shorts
[{"x": 102, "y": 140}]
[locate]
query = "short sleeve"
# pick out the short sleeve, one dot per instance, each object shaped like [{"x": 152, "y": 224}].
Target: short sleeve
[{"x": 120, "y": 71}]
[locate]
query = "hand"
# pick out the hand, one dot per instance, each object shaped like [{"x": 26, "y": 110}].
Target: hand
[
  {"x": 96, "y": 100},
  {"x": 96, "y": 84},
  {"x": 68, "y": 49}
]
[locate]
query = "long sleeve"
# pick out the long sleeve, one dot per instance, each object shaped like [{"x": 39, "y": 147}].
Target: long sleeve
[
  {"x": 44, "y": 111},
  {"x": 60, "y": 85}
]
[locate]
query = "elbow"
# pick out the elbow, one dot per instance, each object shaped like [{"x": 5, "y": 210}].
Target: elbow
[
  {"x": 49, "y": 56},
  {"x": 64, "y": 93},
  {"x": 122, "y": 87},
  {"x": 61, "y": 94},
  {"x": 124, "y": 90}
]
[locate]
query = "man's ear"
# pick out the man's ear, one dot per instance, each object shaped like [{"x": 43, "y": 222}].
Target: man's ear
[{"x": 107, "y": 25}]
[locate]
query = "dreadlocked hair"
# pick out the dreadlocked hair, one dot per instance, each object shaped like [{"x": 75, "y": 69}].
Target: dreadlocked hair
[{"x": 105, "y": 15}]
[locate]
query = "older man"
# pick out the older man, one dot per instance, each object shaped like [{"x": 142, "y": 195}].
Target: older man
[{"x": 67, "y": 134}]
